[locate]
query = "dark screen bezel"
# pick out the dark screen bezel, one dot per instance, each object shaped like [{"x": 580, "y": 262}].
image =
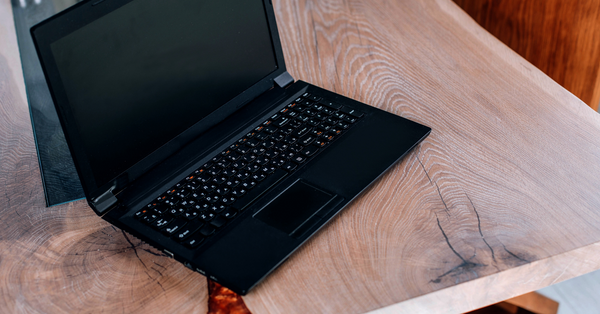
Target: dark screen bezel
[{"x": 83, "y": 13}]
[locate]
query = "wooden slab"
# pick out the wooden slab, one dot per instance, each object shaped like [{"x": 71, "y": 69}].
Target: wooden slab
[
  {"x": 501, "y": 199},
  {"x": 560, "y": 37}
]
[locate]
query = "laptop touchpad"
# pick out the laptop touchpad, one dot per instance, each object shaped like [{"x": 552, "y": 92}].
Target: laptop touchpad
[{"x": 293, "y": 207}]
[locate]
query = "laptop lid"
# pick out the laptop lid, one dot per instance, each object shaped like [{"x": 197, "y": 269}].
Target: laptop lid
[{"x": 133, "y": 81}]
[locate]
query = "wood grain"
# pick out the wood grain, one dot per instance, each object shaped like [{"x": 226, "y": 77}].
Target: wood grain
[
  {"x": 501, "y": 199},
  {"x": 560, "y": 37}
]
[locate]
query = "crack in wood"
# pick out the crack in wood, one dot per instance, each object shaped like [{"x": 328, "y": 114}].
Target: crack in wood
[
  {"x": 479, "y": 226},
  {"x": 514, "y": 255},
  {"x": 135, "y": 251},
  {"x": 464, "y": 267},
  {"x": 434, "y": 184}
]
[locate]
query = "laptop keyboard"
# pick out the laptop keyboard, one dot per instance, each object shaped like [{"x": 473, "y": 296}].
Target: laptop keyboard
[{"x": 209, "y": 198}]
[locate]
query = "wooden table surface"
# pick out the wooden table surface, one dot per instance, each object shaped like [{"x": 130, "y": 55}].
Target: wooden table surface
[{"x": 501, "y": 199}]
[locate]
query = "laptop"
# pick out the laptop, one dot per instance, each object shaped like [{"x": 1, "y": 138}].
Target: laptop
[{"x": 187, "y": 131}]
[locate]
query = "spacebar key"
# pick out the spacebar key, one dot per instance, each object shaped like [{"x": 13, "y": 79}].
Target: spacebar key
[{"x": 259, "y": 190}]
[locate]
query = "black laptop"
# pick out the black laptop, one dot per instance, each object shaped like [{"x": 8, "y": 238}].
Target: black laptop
[{"x": 188, "y": 132}]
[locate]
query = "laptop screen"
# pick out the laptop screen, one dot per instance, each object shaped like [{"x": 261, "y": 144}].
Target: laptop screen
[{"x": 142, "y": 74}]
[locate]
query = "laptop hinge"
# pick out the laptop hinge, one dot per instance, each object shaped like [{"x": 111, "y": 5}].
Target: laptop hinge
[
  {"x": 284, "y": 80},
  {"x": 105, "y": 201}
]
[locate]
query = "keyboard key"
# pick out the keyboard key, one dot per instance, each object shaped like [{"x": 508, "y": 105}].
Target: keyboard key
[
  {"x": 198, "y": 195},
  {"x": 302, "y": 130},
  {"x": 212, "y": 198},
  {"x": 187, "y": 230},
  {"x": 223, "y": 190},
  {"x": 259, "y": 176},
  {"x": 335, "y": 131},
  {"x": 342, "y": 125},
  {"x": 218, "y": 180},
  {"x": 328, "y": 111},
  {"x": 191, "y": 214},
  {"x": 352, "y": 112},
  {"x": 295, "y": 148},
  {"x": 223, "y": 163},
  {"x": 281, "y": 121},
  {"x": 262, "y": 160},
  {"x": 268, "y": 169},
  {"x": 330, "y": 104},
  {"x": 192, "y": 185},
  {"x": 310, "y": 150},
  {"x": 207, "y": 230},
  {"x": 307, "y": 139},
  {"x": 310, "y": 112},
  {"x": 242, "y": 175},
  {"x": 162, "y": 222},
  {"x": 203, "y": 178},
  {"x": 229, "y": 172},
  {"x": 277, "y": 162},
  {"x": 218, "y": 222},
  {"x": 174, "y": 226},
  {"x": 208, "y": 187},
  {"x": 295, "y": 123},
  {"x": 238, "y": 164},
  {"x": 237, "y": 192},
  {"x": 141, "y": 213},
  {"x": 234, "y": 156},
  {"x": 328, "y": 137},
  {"x": 249, "y": 184},
  {"x": 350, "y": 119},
  {"x": 262, "y": 136},
  {"x": 182, "y": 193},
  {"x": 231, "y": 183},
  {"x": 249, "y": 158},
  {"x": 268, "y": 143},
  {"x": 289, "y": 166},
  {"x": 160, "y": 209},
  {"x": 317, "y": 106},
  {"x": 217, "y": 208},
  {"x": 271, "y": 129},
  {"x": 339, "y": 115},
  {"x": 214, "y": 170},
  {"x": 228, "y": 200},
  {"x": 252, "y": 168},
  {"x": 230, "y": 213},
  {"x": 288, "y": 154},
  {"x": 272, "y": 153},
  {"x": 299, "y": 158},
  {"x": 206, "y": 215},
  {"x": 194, "y": 240},
  {"x": 172, "y": 201},
  {"x": 290, "y": 139},
  {"x": 313, "y": 122},
  {"x": 149, "y": 218},
  {"x": 252, "y": 142},
  {"x": 176, "y": 211}
]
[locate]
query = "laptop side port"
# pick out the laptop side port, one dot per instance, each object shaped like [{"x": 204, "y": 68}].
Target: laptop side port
[{"x": 169, "y": 254}]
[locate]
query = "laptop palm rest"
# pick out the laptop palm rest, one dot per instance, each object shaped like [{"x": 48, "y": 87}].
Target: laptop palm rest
[{"x": 295, "y": 206}]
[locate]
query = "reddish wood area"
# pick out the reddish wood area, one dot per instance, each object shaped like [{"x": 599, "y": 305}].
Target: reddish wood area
[
  {"x": 532, "y": 302},
  {"x": 224, "y": 301},
  {"x": 560, "y": 37}
]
